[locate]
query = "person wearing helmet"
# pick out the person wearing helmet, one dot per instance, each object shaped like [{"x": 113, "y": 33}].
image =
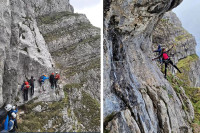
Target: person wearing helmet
[
  {"x": 8, "y": 107},
  {"x": 57, "y": 77},
  {"x": 52, "y": 80},
  {"x": 24, "y": 88},
  {"x": 12, "y": 122},
  {"x": 166, "y": 59},
  {"x": 31, "y": 82},
  {"x": 41, "y": 81},
  {"x": 3, "y": 120},
  {"x": 159, "y": 50}
]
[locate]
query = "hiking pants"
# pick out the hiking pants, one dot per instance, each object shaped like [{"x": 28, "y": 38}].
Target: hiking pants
[
  {"x": 25, "y": 94},
  {"x": 56, "y": 81},
  {"x": 169, "y": 62},
  {"x": 32, "y": 89},
  {"x": 52, "y": 84}
]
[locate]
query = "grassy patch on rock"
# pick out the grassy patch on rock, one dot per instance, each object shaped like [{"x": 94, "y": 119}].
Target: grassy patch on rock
[
  {"x": 184, "y": 66},
  {"x": 51, "y": 18},
  {"x": 35, "y": 121},
  {"x": 60, "y": 32},
  {"x": 89, "y": 114},
  {"x": 83, "y": 67}
]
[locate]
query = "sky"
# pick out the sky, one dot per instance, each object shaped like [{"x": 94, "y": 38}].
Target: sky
[
  {"x": 93, "y": 9},
  {"x": 189, "y": 14}
]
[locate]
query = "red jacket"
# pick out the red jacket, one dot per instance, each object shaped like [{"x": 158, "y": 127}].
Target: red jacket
[{"x": 57, "y": 76}]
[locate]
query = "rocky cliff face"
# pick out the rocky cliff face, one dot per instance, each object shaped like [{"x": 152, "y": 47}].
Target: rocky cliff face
[
  {"x": 170, "y": 31},
  {"x": 41, "y": 37},
  {"x": 137, "y": 98}
]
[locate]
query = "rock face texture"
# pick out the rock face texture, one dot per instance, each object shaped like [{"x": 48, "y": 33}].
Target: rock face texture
[
  {"x": 40, "y": 37},
  {"x": 137, "y": 98}
]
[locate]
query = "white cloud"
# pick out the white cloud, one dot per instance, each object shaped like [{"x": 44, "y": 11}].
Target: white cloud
[
  {"x": 93, "y": 10},
  {"x": 188, "y": 13}
]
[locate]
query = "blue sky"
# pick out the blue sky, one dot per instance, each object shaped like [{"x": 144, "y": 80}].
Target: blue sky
[
  {"x": 189, "y": 14},
  {"x": 92, "y": 8}
]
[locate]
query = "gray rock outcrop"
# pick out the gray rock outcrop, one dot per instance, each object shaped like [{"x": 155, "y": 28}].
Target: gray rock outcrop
[
  {"x": 137, "y": 98},
  {"x": 44, "y": 36}
]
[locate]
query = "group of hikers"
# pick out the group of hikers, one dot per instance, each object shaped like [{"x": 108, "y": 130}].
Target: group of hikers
[
  {"x": 29, "y": 84},
  {"x": 164, "y": 58},
  {"x": 8, "y": 118}
]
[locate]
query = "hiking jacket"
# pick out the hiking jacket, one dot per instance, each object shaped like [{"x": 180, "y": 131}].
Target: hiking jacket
[
  {"x": 44, "y": 78},
  {"x": 164, "y": 55},
  {"x": 57, "y": 76},
  {"x": 31, "y": 81},
  {"x": 158, "y": 50},
  {"x": 51, "y": 78}
]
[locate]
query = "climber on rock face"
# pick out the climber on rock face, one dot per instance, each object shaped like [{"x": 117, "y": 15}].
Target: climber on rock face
[
  {"x": 52, "y": 80},
  {"x": 25, "y": 88},
  {"x": 56, "y": 79},
  {"x": 159, "y": 50},
  {"x": 166, "y": 59},
  {"x": 31, "y": 82},
  {"x": 41, "y": 81}
]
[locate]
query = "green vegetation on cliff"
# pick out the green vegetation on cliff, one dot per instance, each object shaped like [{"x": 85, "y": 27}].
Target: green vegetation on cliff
[
  {"x": 182, "y": 80},
  {"x": 51, "y": 18},
  {"x": 184, "y": 66}
]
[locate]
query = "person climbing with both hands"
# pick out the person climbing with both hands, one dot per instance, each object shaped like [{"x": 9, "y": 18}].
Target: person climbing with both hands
[{"x": 166, "y": 59}]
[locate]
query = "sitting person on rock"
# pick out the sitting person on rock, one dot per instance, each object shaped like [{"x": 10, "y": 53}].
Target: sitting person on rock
[
  {"x": 41, "y": 81},
  {"x": 166, "y": 59}
]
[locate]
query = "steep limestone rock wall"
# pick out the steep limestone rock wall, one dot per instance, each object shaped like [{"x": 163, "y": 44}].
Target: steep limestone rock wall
[
  {"x": 25, "y": 53},
  {"x": 137, "y": 98},
  {"x": 40, "y": 37},
  {"x": 75, "y": 47}
]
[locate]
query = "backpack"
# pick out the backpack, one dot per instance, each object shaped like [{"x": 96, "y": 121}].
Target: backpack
[
  {"x": 10, "y": 125},
  {"x": 165, "y": 56},
  {"x": 27, "y": 87},
  {"x": 40, "y": 79}
]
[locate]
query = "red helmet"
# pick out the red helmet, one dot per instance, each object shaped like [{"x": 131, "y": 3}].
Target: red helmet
[{"x": 52, "y": 73}]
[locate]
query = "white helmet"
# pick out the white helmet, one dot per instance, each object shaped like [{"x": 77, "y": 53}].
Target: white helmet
[
  {"x": 13, "y": 115},
  {"x": 56, "y": 72},
  {"x": 13, "y": 107},
  {"x": 8, "y": 107}
]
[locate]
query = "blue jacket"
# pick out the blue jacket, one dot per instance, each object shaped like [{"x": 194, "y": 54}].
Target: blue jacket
[
  {"x": 158, "y": 50},
  {"x": 6, "y": 123},
  {"x": 15, "y": 111},
  {"x": 44, "y": 78}
]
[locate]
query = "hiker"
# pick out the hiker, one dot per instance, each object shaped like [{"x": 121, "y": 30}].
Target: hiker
[
  {"x": 41, "y": 81},
  {"x": 25, "y": 88},
  {"x": 57, "y": 77},
  {"x": 3, "y": 120},
  {"x": 7, "y": 120},
  {"x": 14, "y": 109},
  {"x": 166, "y": 59},
  {"x": 52, "y": 80},
  {"x": 31, "y": 82},
  {"x": 13, "y": 122},
  {"x": 159, "y": 50}
]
